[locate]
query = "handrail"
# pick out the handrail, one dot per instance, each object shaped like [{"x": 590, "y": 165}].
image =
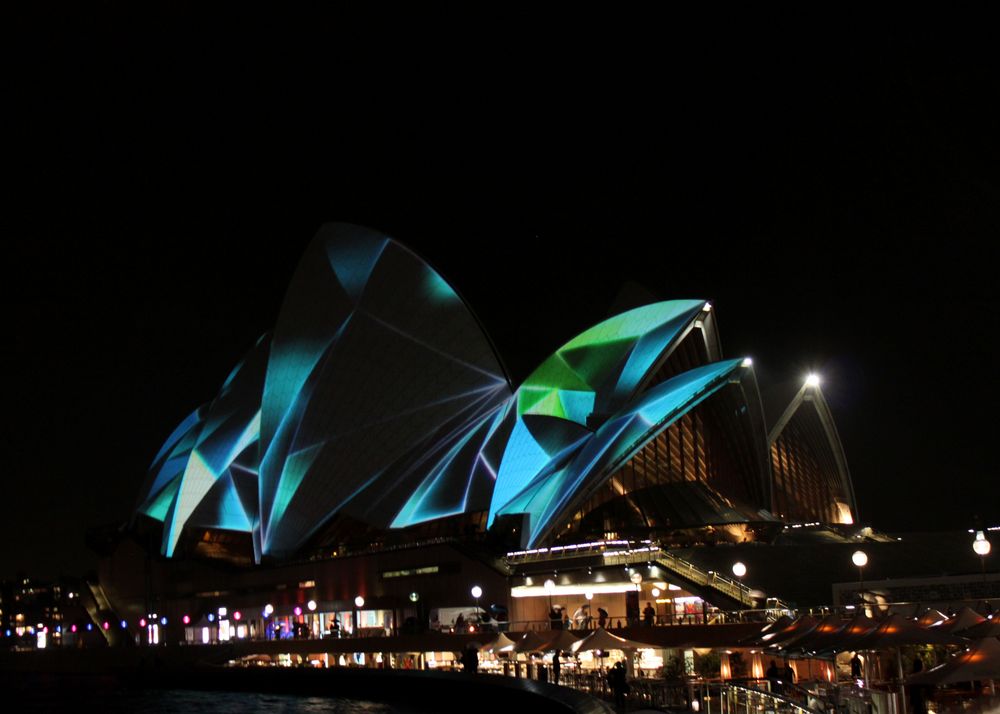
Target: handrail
[
  {"x": 731, "y": 692},
  {"x": 623, "y": 552}
]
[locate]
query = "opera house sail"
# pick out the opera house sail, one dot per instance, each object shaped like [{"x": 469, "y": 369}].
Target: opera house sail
[{"x": 378, "y": 406}]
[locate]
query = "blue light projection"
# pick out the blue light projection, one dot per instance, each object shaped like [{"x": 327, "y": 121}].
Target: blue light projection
[
  {"x": 375, "y": 359},
  {"x": 550, "y": 496},
  {"x": 380, "y": 398},
  {"x": 222, "y": 461},
  {"x": 598, "y": 371},
  {"x": 163, "y": 479}
]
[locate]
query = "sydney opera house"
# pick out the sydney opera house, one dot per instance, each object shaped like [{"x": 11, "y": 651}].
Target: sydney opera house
[{"x": 373, "y": 449}]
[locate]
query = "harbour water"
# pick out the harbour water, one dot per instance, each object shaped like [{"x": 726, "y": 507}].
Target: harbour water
[{"x": 41, "y": 693}]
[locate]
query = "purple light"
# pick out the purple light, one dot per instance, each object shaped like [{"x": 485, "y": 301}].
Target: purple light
[{"x": 298, "y": 610}]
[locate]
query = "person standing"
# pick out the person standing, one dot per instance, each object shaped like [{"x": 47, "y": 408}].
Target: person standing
[
  {"x": 773, "y": 675},
  {"x": 470, "y": 660},
  {"x": 555, "y": 668},
  {"x": 787, "y": 676},
  {"x": 918, "y": 699},
  {"x": 855, "y": 667},
  {"x": 602, "y": 617},
  {"x": 648, "y": 615},
  {"x": 618, "y": 684}
]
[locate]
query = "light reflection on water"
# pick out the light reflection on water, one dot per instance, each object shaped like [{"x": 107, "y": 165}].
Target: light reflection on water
[{"x": 57, "y": 694}]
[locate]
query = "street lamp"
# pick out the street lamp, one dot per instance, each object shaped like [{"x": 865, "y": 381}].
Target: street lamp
[
  {"x": 739, "y": 570},
  {"x": 359, "y": 602},
  {"x": 982, "y": 548},
  {"x": 477, "y": 592},
  {"x": 860, "y": 559}
]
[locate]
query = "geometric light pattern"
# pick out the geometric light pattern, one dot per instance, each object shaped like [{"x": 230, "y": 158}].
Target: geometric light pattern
[
  {"x": 593, "y": 375},
  {"x": 218, "y": 486},
  {"x": 379, "y": 398},
  {"x": 375, "y": 359},
  {"x": 551, "y": 496}
]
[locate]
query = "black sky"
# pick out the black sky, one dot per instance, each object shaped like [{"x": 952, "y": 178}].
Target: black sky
[{"x": 835, "y": 194}]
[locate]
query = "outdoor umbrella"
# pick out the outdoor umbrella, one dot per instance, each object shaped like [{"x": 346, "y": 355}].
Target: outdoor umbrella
[
  {"x": 896, "y": 630},
  {"x": 931, "y": 617},
  {"x": 980, "y": 661},
  {"x": 800, "y": 626},
  {"x": 966, "y": 618},
  {"x": 529, "y": 642},
  {"x": 986, "y": 628},
  {"x": 819, "y": 637},
  {"x": 563, "y": 641},
  {"x": 848, "y": 638},
  {"x": 601, "y": 639},
  {"x": 776, "y": 626},
  {"x": 501, "y": 644}
]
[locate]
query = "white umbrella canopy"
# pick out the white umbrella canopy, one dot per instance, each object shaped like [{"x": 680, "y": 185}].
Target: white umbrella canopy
[
  {"x": 801, "y": 625},
  {"x": 964, "y": 619},
  {"x": 896, "y": 630},
  {"x": 980, "y": 661},
  {"x": 564, "y": 640},
  {"x": 777, "y": 626},
  {"x": 931, "y": 617},
  {"x": 859, "y": 627},
  {"x": 601, "y": 639},
  {"x": 501, "y": 644},
  {"x": 986, "y": 628},
  {"x": 530, "y": 642}
]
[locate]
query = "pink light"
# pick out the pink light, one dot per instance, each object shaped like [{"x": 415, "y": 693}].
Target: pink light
[
  {"x": 142, "y": 622},
  {"x": 106, "y": 625},
  {"x": 237, "y": 615},
  {"x": 298, "y": 611},
  {"x": 72, "y": 628},
  {"x": 186, "y": 619}
]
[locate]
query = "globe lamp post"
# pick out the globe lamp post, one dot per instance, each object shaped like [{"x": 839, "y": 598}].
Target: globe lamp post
[
  {"x": 477, "y": 592},
  {"x": 982, "y": 548},
  {"x": 860, "y": 559},
  {"x": 739, "y": 570}
]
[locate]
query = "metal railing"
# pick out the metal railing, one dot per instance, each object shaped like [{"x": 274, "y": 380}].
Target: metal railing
[
  {"x": 742, "y": 699},
  {"x": 622, "y": 552}
]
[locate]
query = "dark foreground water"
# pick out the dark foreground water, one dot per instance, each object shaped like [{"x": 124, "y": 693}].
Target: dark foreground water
[{"x": 105, "y": 694}]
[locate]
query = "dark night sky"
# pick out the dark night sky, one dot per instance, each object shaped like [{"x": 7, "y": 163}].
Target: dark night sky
[{"x": 836, "y": 197}]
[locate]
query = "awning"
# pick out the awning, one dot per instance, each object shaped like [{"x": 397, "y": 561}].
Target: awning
[
  {"x": 897, "y": 630},
  {"x": 980, "y": 661},
  {"x": 501, "y": 644},
  {"x": 601, "y": 639},
  {"x": 931, "y": 617},
  {"x": 530, "y": 642},
  {"x": 963, "y": 620}
]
